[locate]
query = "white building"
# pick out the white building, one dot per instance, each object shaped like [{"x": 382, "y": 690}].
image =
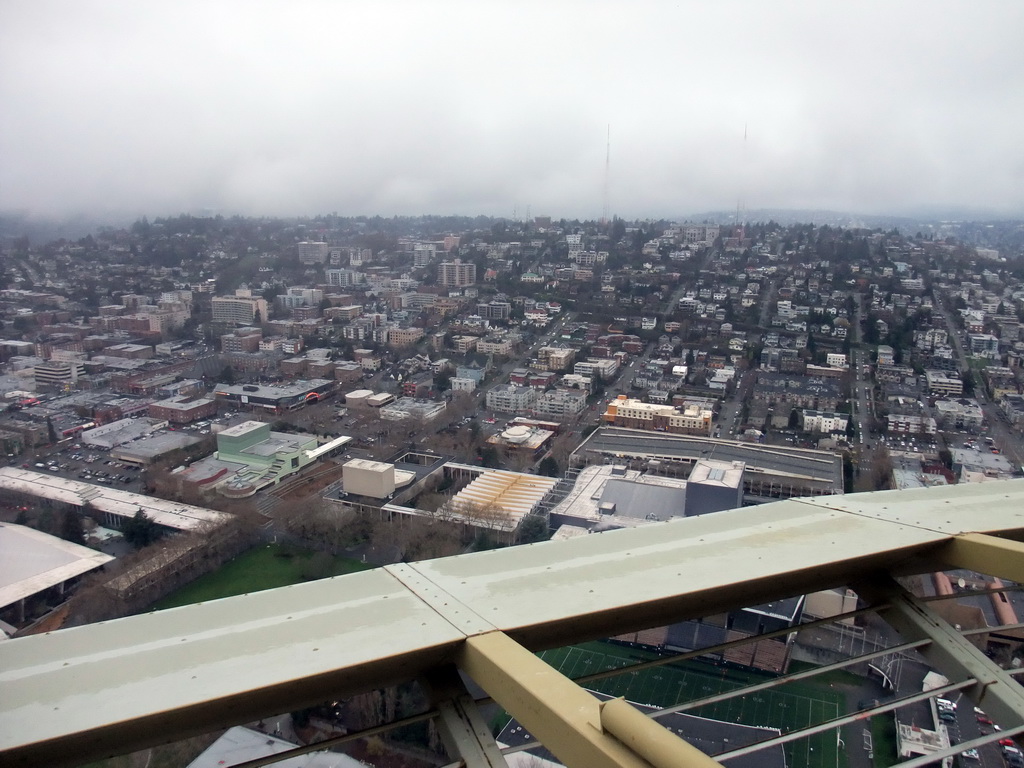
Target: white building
[
  {"x": 58, "y": 375},
  {"x": 575, "y": 243},
  {"x": 943, "y": 383},
  {"x": 959, "y": 414},
  {"x": 241, "y": 309},
  {"x": 561, "y": 402},
  {"x": 456, "y": 274},
  {"x": 423, "y": 254},
  {"x": 597, "y": 368},
  {"x": 301, "y": 297},
  {"x": 462, "y": 385},
  {"x": 824, "y": 421},
  {"x": 575, "y": 381},
  {"x": 910, "y": 425},
  {"x": 509, "y": 398},
  {"x": 364, "y": 477},
  {"x": 344, "y": 278}
]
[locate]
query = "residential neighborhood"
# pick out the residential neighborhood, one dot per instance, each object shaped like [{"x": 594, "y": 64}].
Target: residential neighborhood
[{"x": 414, "y": 388}]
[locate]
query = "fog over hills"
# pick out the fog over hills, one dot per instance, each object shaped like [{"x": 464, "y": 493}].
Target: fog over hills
[{"x": 117, "y": 109}]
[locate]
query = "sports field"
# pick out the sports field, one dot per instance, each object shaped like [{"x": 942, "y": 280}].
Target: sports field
[
  {"x": 262, "y": 567},
  {"x": 788, "y": 707}
]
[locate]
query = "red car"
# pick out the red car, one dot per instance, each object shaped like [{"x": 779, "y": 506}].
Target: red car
[
  {"x": 985, "y": 720},
  {"x": 1007, "y": 743}
]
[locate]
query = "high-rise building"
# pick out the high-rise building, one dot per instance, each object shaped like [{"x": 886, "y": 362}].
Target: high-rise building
[
  {"x": 312, "y": 252},
  {"x": 343, "y": 278},
  {"x": 301, "y": 297},
  {"x": 456, "y": 273},
  {"x": 575, "y": 243},
  {"x": 243, "y": 308},
  {"x": 423, "y": 254}
]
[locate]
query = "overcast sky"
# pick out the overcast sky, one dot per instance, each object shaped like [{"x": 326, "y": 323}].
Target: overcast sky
[{"x": 489, "y": 107}]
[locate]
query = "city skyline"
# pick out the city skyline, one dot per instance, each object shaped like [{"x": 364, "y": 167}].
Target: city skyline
[{"x": 401, "y": 109}]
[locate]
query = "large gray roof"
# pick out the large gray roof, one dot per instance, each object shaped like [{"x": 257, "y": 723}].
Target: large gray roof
[{"x": 819, "y": 469}]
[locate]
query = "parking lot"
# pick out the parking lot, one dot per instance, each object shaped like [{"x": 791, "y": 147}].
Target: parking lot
[{"x": 91, "y": 466}]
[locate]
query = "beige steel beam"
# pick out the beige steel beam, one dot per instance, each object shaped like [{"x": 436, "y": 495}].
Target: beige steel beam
[
  {"x": 122, "y": 685},
  {"x": 649, "y": 739},
  {"x": 991, "y": 555},
  {"x": 465, "y": 734},
  {"x": 74, "y": 695},
  {"x": 949, "y": 652},
  {"x": 567, "y": 719}
]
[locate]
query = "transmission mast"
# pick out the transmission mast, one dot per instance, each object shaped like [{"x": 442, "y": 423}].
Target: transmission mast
[
  {"x": 741, "y": 203},
  {"x": 607, "y": 165}
]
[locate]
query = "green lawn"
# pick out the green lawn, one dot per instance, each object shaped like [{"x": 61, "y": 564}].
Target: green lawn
[
  {"x": 788, "y": 707},
  {"x": 883, "y": 740},
  {"x": 263, "y": 567}
]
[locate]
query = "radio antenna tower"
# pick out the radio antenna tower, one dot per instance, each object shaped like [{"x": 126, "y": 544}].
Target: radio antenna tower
[
  {"x": 740, "y": 202},
  {"x": 607, "y": 165}
]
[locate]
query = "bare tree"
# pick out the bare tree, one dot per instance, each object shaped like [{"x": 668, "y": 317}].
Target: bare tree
[
  {"x": 562, "y": 447},
  {"x": 488, "y": 516}
]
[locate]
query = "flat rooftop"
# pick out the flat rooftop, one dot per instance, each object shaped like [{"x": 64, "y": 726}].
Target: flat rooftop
[
  {"x": 31, "y": 561},
  {"x": 278, "y": 442},
  {"x": 368, "y": 465},
  {"x": 177, "y": 404},
  {"x": 242, "y": 428},
  {"x": 170, "y": 514},
  {"x": 981, "y": 457},
  {"x": 120, "y": 431},
  {"x": 630, "y": 491},
  {"x": 819, "y": 470},
  {"x": 723, "y": 474},
  {"x": 273, "y": 391},
  {"x": 145, "y": 449}
]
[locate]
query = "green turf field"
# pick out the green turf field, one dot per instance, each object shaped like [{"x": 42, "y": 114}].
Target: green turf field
[
  {"x": 263, "y": 567},
  {"x": 791, "y": 706}
]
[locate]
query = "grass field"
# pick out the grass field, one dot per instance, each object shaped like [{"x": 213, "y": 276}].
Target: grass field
[
  {"x": 792, "y": 706},
  {"x": 260, "y": 568}
]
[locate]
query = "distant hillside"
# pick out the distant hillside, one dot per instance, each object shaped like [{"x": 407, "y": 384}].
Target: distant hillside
[
  {"x": 40, "y": 229},
  {"x": 924, "y": 218},
  {"x": 787, "y": 217}
]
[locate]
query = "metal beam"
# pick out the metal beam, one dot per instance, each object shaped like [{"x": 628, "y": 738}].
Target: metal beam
[
  {"x": 564, "y": 717},
  {"x": 991, "y": 555},
  {"x": 463, "y": 730},
  {"x": 649, "y": 739},
  {"x": 90, "y": 692},
  {"x": 122, "y": 685},
  {"x": 949, "y": 652},
  {"x": 838, "y": 722}
]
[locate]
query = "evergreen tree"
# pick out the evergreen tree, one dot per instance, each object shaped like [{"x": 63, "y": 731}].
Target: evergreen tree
[
  {"x": 71, "y": 527},
  {"x": 140, "y": 531},
  {"x": 548, "y": 466}
]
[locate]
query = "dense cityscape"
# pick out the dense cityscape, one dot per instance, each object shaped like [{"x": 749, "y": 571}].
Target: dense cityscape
[{"x": 346, "y": 393}]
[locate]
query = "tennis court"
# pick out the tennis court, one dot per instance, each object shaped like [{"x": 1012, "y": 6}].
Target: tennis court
[{"x": 789, "y": 707}]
